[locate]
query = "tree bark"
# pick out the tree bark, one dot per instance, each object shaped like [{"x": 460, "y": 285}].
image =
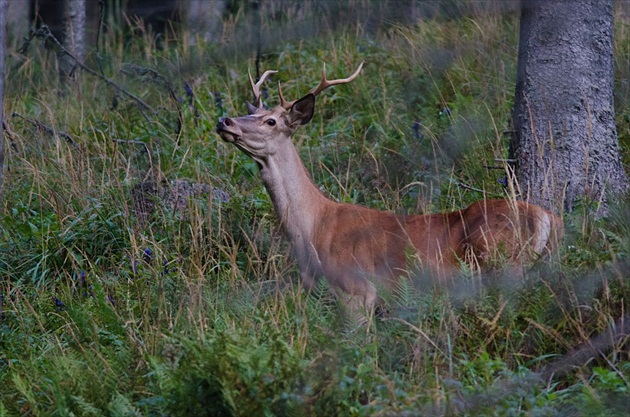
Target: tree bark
[
  {"x": 74, "y": 36},
  {"x": 565, "y": 140},
  {"x": 3, "y": 14}
]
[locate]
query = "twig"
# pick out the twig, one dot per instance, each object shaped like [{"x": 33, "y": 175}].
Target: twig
[
  {"x": 133, "y": 142},
  {"x": 479, "y": 190},
  {"x": 132, "y": 69},
  {"x": 156, "y": 77},
  {"x": 27, "y": 42},
  {"x": 138, "y": 143},
  {"x": 50, "y": 130}
]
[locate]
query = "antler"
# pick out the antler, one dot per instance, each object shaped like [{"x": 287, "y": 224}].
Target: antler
[
  {"x": 323, "y": 84},
  {"x": 256, "y": 86}
]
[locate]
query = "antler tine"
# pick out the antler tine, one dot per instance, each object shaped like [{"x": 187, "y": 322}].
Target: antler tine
[
  {"x": 283, "y": 103},
  {"x": 256, "y": 86},
  {"x": 324, "y": 83}
]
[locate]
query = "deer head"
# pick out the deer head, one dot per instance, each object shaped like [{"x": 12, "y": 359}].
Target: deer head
[{"x": 262, "y": 131}]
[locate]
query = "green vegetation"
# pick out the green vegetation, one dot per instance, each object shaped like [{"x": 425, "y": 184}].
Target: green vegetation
[{"x": 119, "y": 296}]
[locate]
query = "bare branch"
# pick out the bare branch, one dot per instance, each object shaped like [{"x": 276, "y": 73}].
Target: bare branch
[
  {"x": 45, "y": 33},
  {"x": 47, "y": 129}
]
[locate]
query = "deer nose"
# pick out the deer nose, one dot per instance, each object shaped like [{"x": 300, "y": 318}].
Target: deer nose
[{"x": 224, "y": 122}]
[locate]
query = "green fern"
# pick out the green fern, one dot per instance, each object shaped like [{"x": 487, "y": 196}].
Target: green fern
[
  {"x": 84, "y": 407},
  {"x": 405, "y": 294},
  {"x": 121, "y": 406}
]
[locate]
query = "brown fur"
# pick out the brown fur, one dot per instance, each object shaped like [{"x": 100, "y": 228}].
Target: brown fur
[{"x": 358, "y": 249}]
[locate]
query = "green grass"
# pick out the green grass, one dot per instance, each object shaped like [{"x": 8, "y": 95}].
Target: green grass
[{"x": 199, "y": 311}]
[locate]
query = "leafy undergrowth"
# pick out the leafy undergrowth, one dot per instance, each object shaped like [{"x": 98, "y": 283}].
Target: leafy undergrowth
[{"x": 122, "y": 296}]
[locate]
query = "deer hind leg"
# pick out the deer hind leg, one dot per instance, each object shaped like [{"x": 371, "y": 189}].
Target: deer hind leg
[{"x": 494, "y": 246}]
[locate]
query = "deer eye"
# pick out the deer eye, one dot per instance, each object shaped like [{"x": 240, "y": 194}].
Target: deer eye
[{"x": 271, "y": 122}]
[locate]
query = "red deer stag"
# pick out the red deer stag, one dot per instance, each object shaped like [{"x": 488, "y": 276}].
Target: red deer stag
[{"x": 358, "y": 249}]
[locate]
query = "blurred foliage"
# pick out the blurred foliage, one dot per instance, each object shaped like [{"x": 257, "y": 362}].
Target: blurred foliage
[{"x": 119, "y": 296}]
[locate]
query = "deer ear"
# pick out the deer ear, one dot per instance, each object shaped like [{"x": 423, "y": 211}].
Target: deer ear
[
  {"x": 251, "y": 109},
  {"x": 302, "y": 111}
]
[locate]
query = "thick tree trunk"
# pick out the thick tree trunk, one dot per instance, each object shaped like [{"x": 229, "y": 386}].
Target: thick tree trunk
[{"x": 565, "y": 142}]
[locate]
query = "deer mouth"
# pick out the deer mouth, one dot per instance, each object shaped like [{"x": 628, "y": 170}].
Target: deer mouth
[
  {"x": 227, "y": 136},
  {"x": 227, "y": 130}
]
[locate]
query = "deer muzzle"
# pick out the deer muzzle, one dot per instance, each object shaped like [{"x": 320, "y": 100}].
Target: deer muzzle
[{"x": 227, "y": 129}]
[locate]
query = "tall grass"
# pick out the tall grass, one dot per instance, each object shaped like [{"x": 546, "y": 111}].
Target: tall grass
[{"x": 120, "y": 296}]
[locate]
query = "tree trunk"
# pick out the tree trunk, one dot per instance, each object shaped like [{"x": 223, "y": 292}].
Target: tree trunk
[
  {"x": 3, "y": 14},
  {"x": 74, "y": 36},
  {"x": 203, "y": 19},
  {"x": 17, "y": 20},
  {"x": 565, "y": 140}
]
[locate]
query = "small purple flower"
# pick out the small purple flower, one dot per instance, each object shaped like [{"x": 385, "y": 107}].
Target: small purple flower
[
  {"x": 147, "y": 256},
  {"x": 445, "y": 111},
  {"x": 503, "y": 181},
  {"x": 189, "y": 92},
  {"x": 416, "y": 130},
  {"x": 218, "y": 100},
  {"x": 58, "y": 304},
  {"x": 82, "y": 278}
]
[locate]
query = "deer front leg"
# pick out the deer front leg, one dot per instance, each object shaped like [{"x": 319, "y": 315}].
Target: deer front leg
[
  {"x": 309, "y": 281},
  {"x": 358, "y": 306},
  {"x": 354, "y": 292},
  {"x": 365, "y": 300}
]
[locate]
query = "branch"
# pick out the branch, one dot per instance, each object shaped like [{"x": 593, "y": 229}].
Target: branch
[
  {"x": 44, "y": 33},
  {"x": 50, "y": 130},
  {"x": 593, "y": 348},
  {"x": 157, "y": 78},
  {"x": 479, "y": 190}
]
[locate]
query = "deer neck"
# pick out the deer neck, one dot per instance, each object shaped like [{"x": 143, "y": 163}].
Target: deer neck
[{"x": 297, "y": 201}]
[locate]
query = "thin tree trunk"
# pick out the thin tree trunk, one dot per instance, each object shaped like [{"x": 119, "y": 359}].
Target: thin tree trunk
[
  {"x": 3, "y": 13},
  {"x": 203, "y": 18},
  {"x": 74, "y": 36},
  {"x": 565, "y": 140},
  {"x": 17, "y": 20}
]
